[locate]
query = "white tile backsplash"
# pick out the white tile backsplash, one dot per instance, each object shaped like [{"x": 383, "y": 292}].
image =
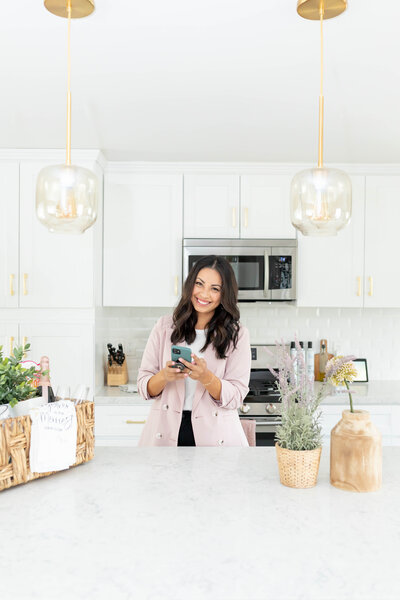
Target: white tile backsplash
[{"x": 368, "y": 333}]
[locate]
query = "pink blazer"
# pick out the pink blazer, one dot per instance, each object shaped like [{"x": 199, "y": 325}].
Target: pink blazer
[{"x": 215, "y": 423}]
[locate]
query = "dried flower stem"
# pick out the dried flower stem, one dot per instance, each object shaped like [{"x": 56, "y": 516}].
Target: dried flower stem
[{"x": 350, "y": 396}]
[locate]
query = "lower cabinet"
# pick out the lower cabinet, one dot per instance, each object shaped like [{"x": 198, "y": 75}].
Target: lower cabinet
[
  {"x": 386, "y": 417},
  {"x": 117, "y": 425},
  {"x": 69, "y": 346}
]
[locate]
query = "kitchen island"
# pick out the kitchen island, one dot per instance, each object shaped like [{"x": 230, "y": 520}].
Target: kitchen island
[{"x": 198, "y": 524}]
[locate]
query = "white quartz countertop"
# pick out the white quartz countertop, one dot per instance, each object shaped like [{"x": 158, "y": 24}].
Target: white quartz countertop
[
  {"x": 198, "y": 524},
  {"x": 374, "y": 392}
]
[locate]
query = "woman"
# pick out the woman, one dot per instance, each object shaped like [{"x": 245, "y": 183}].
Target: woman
[{"x": 198, "y": 406}]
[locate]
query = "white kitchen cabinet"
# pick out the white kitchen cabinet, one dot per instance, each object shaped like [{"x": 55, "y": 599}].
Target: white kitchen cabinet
[
  {"x": 384, "y": 416},
  {"x": 265, "y": 207},
  {"x": 331, "y": 269},
  {"x": 9, "y": 248},
  {"x": 69, "y": 346},
  {"x": 142, "y": 239},
  {"x": 120, "y": 425},
  {"x": 382, "y": 267},
  {"x": 8, "y": 337},
  {"x": 211, "y": 205},
  {"x": 56, "y": 270}
]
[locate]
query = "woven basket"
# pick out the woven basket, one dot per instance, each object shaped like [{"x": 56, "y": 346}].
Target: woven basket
[
  {"x": 15, "y": 436},
  {"x": 298, "y": 468}
]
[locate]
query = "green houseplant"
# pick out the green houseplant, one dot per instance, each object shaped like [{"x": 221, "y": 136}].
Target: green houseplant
[
  {"x": 14, "y": 378},
  {"x": 298, "y": 437}
]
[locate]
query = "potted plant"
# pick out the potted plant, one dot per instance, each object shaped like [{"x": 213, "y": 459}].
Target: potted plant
[
  {"x": 356, "y": 443},
  {"x": 16, "y": 390},
  {"x": 298, "y": 438}
]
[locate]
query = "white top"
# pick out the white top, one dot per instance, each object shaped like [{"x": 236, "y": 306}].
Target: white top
[{"x": 190, "y": 384}]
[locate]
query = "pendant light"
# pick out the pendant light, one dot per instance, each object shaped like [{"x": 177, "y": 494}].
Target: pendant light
[
  {"x": 320, "y": 198},
  {"x": 66, "y": 195}
]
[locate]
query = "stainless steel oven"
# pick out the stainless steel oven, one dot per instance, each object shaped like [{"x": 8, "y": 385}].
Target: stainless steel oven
[
  {"x": 262, "y": 403},
  {"x": 264, "y": 269}
]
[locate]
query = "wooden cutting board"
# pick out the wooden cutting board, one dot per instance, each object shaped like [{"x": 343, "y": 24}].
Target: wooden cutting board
[{"x": 317, "y": 376}]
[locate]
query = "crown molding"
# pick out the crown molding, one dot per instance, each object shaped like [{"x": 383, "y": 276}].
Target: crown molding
[
  {"x": 244, "y": 168},
  {"x": 52, "y": 154}
]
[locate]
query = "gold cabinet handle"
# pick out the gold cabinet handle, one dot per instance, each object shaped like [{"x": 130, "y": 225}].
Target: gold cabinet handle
[
  {"x": 12, "y": 284},
  {"x": 233, "y": 217},
  {"x": 358, "y": 286},
  {"x": 176, "y": 285},
  {"x": 25, "y": 288},
  {"x": 135, "y": 422},
  {"x": 24, "y": 342},
  {"x": 371, "y": 286},
  {"x": 11, "y": 345},
  {"x": 246, "y": 217}
]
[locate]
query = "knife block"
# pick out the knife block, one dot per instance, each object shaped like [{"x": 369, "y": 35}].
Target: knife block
[{"x": 117, "y": 374}]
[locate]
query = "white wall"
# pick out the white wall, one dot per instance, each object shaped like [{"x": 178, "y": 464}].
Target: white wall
[{"x": 368, "y": 333}]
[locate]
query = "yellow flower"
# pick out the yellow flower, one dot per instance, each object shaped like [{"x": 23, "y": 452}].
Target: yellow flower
[{"x": 346, "y": 372}]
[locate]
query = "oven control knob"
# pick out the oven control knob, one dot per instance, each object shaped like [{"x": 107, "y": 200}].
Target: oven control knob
[
  {"x": 270, "y": 408},
  {"x": 245, "y": 408}
]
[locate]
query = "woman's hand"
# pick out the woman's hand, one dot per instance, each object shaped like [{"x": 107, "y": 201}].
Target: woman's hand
[
  {"x": 197, "y": 369},
  {"x": 171, "y": 373}
]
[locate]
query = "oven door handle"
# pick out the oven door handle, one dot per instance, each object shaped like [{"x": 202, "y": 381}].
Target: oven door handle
[
  {"x": 268, "y": 422},
  {"x": 267, "y": 293}
]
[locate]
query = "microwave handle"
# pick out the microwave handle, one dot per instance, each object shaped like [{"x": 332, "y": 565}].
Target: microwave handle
[{"x": 266, "y": 274}]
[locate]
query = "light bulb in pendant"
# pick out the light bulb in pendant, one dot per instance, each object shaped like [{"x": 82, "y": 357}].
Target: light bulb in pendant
[{"x": 66, "y": 195}]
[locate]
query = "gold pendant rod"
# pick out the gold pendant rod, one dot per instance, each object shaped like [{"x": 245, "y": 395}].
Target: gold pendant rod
[
  {"x": 68, "y": 158},
  {"x": 321, "y": 94}
]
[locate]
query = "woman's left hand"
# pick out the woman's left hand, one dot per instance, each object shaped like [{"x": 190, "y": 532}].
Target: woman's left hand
[{"x": 197, "y": 369}]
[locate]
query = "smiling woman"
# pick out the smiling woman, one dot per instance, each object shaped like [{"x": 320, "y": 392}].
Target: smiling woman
[{"x": 197, "y": 406}]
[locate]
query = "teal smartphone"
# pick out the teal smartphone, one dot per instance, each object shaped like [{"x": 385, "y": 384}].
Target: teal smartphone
[{"x": 180, "y": 352}]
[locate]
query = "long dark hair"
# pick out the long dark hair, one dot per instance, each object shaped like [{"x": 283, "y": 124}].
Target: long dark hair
[{"x": 223, "y": 329}]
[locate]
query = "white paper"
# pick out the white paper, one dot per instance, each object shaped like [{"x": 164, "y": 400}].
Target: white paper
[{"x": 53, "y": 437}]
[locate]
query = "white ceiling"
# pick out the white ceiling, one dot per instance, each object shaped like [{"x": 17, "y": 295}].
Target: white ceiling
[{"x": 205, "y": 80}]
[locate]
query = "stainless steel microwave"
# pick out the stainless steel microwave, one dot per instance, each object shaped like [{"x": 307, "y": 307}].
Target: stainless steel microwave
[{"x": 264, "y": 269}]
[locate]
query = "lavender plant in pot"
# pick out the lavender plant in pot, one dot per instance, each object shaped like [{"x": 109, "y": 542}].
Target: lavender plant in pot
[
  {"x": 356, "y": 443},
  {"x": 298, "y": 438},
  {"x": 16, "y": 392}
]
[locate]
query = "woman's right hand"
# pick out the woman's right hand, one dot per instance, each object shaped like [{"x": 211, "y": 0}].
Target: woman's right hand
[{"x": 171, "y": 373}]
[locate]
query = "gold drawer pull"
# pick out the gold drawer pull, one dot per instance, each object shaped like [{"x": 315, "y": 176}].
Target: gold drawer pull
[
  {"x": 135, "y": 422},
  {"x": 24, "y": 343},
  {"x": 11, "y": 345},
  {"x": 358, "y": 286},
  {"x": 25, "y": 288},
  {"x": 371, "y": 286},
  {"x": 12, "y": 284}
]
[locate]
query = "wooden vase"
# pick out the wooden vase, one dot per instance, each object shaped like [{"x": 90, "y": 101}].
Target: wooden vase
[{"x": 356, "y": 453}]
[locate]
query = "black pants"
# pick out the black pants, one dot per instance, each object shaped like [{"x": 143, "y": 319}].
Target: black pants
[{"x": 186, "y": 437}]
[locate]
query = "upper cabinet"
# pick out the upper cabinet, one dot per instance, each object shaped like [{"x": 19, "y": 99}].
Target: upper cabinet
[
  {"x": 237, "y": 206},
  {"x": 39, "y": 269},
  {"x": 212, "y": 208},
  {"x": 331, "y": 269},
  {"x": 9, "y": 216},
  {"x": 265, "y": 207},
  {"x": 142, "y": 239},
  {"x": 56, "y": 270},
  {"x": 382, "y": 218},
  {"x": 358, "y": 267}
]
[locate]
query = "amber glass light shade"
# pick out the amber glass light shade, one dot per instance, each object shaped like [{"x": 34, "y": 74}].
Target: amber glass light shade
[
  {"x": 320, "y": 201},
  {"x": 66, "y": 198}
]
